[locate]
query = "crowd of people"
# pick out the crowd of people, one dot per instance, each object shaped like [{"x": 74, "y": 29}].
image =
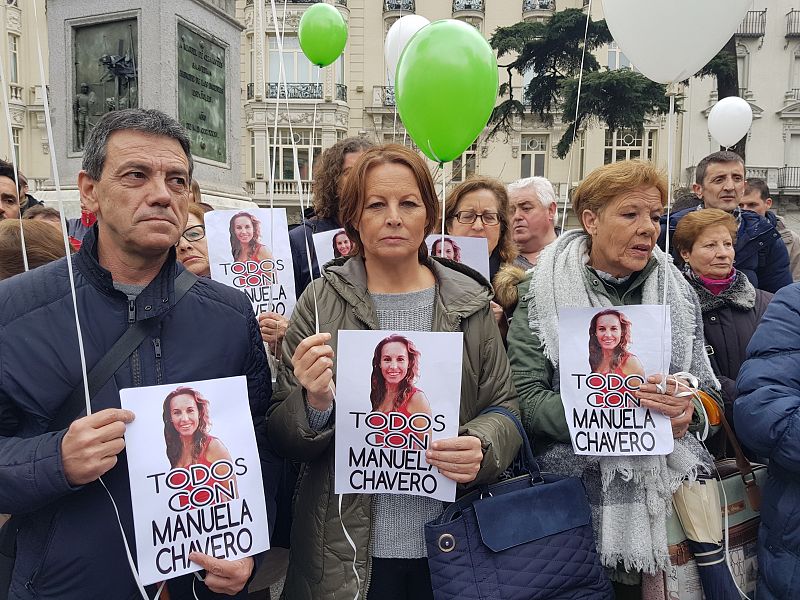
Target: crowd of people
[{"x": 718, "y": 264}]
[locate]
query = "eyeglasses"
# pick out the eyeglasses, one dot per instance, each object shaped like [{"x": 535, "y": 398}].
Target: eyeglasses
[
  {"x": 194, "y": 233},
  {"x": 468, "y": 217}
]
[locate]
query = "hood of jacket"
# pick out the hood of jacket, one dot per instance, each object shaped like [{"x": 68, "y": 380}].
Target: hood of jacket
[{"x": 462, "y": 290}]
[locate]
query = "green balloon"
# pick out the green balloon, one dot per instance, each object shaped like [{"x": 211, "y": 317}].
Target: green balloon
[
  {"x": 446, "y": 87},
  {"x": 322, "y": 33}
]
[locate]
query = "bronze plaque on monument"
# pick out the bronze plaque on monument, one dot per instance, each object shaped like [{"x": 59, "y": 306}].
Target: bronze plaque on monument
[{"x": 201, "y": 93}]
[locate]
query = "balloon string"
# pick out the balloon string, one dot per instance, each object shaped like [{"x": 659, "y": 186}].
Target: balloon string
[
  {"x": 14, "y": 165},
  {"x": 444, "y": 201},
  {"x": 575, "y": 122},
  {"x": 57, "y": 182},
  {"x": 282, "y": 78},
  {"x": 667, "y": 259}
]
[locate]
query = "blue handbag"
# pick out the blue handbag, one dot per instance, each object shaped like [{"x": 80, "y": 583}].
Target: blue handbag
[{"x": 525, "y": 538}]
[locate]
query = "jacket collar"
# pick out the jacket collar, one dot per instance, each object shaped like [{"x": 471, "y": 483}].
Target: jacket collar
[
  {"x": 461, "y": 291},
  {"x": 154, "y": 300},
  {"x": 740, "y": 294}
]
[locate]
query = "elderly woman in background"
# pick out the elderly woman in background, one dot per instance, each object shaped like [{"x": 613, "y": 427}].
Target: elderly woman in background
[
  {"x": 389, "y": 206},
  {"x": 192, "y": 248},
  {"x": 478, "y": 208},
  {"x": 43, "y": 244},
  {"x": 732, "y": 308},
  {"x": 613, "y": 261}
]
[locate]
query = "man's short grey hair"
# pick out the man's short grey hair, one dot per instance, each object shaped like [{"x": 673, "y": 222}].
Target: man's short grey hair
[
  {"x": 145, "y": 120},
  {"x": 541, "y": 186}
]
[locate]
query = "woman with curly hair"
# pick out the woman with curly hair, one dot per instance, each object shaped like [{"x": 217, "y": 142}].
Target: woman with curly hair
[
  {"x": 186, "y": 426},
  {"x": 395, "y": 369},
  {"x": 609, "y": 336}
]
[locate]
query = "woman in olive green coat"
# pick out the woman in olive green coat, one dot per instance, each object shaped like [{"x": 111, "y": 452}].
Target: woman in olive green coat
[{"x": 390, "y": 208}]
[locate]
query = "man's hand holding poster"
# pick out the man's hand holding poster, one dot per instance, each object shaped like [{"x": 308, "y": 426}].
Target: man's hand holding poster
[
  {"x": 395, "y": 394},
  {"x": 194, "y": 487},
  {"x": 605, "y": 355},
  {"x": 249, "y": 250}
]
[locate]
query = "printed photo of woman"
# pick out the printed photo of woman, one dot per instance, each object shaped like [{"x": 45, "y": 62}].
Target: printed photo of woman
[
  {"x": 246, "y": 239},
  {"x": 395, "y": 369},
  {"x": 341, "y": 244},
  {"x": 186, "y": 425},
  {"x": 447, "y": 249},
  {"x": 609, "y": 336}
]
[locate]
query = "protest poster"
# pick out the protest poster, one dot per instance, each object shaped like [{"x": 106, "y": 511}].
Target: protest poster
[
  {"x": 605, "y": 354},
  {"x": 470, "y": 251},
  {"x": 395, "y": 394},
  {"x": 249, "y": 250},
  {"x": 195, "y": 475},
  {"x": 329, "y": 245}
]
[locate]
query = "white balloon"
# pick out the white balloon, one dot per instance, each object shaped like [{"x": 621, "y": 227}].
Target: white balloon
[
  {"x": 671, "y": 40},
  {"x": 730, "y": 120},
  {"x": 396, "y": 39}
]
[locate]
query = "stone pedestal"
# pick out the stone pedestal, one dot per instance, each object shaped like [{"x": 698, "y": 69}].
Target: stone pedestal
[{"x": 179, "y": 56}]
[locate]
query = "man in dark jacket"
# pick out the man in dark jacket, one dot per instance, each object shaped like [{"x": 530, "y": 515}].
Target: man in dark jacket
[
  {"x": 137, "y": 168},
  {"x": 760, "y": 252},
  {"x": 767, "y": 416}
]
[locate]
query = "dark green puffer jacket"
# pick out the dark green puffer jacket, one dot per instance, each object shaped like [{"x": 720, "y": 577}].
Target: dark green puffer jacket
[{"x": 321, "y": 559}]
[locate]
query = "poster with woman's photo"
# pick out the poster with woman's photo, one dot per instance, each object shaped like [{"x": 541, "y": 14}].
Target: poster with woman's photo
[
  {"x": 331, "y": 244},
  {"x": 249, "y": 250},
  {"x": 195, "y": 475},
  {"x": 396, "y": 392},
  {"x": 605, "y": 355},
  {"x": 473, "y": 252}
]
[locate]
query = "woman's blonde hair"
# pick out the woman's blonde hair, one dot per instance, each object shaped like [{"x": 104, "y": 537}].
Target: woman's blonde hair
[
  {"x": 605, "y": 183},
  {"x": 43, "y": 244}
]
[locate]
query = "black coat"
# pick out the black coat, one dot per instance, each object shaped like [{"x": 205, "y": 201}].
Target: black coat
[{"x": 729, "y": 321}]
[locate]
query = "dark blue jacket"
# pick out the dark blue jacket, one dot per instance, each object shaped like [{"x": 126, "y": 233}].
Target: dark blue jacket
[
  {"x": 69, "y": 546},
  {"x": 297, "y": 244},
  {"x": 767, "y": 416},
  {"x": 760, "y": 251}
]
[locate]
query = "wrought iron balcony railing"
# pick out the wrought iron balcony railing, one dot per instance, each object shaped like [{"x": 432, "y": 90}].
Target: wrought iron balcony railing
[
  {"x": 387, "y": 95},
  {"x": 403, "y": 5},
  {"x": 754, "y": 24},
  {"x": 341, "y": 92},
  {"x": 296, "y": 91},
  {"x": 251, "y": 90},
  {"x": 531, "y": 5},
  {"x": 793, "y": 24},
  {"x": 474, "y": 5}
]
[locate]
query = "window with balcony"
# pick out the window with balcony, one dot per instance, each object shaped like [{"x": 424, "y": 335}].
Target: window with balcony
[
  {"x": 298, "y": 68},
  {"x": 534, "y": 155},
  {"x": 13, "y": 58},
  {"x": 308, "y": 151},
  {"x": 464, "y": 165},
  {"x": 795, "y": 74},
  {"x": 628, "y": 144}
]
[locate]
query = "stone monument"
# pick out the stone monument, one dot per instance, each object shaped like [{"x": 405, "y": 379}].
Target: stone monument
[{"x": 178, "y": 56}]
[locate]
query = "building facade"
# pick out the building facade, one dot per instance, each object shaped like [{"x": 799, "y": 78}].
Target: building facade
[{"x": 353, "y": 97}]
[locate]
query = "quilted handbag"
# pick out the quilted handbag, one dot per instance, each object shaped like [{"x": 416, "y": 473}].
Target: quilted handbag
[{"x": 525, "y": 538}]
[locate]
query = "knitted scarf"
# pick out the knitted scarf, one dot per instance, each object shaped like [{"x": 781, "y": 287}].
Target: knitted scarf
[{"x": 631, "y": 496}]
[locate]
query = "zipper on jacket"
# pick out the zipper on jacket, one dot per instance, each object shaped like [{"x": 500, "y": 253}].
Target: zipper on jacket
[
  {"x": 131, "y": 311},
  {"x": 136, "y": 367},
  {"x": 157, "y": 348}
]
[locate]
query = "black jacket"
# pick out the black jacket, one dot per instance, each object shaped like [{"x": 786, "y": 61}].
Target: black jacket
[
  {"x": 760, "y": 252},
  {"x": 69, "y": 545},
  {"x": 729, "y": 321}
]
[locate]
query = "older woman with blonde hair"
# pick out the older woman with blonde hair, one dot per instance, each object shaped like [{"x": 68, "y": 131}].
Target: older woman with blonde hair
[
  {"x": 613, "y": 261},
  {"x": 389, "y": 206},
  {"x": 732, "y": 308}
]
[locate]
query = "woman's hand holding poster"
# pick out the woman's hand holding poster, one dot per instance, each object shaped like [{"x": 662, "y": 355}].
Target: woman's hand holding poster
[
  {"x": 249, "y": 250},
  {"x": 605, "y": 355},
  {"x": 194, "y": 487},
  {"x": 395, "y": 394}
]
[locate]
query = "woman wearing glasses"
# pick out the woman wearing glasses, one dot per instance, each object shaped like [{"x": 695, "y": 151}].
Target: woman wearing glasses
[
  {"x": 479, "y": 208},
  {"x": 192, "y": 247}
]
